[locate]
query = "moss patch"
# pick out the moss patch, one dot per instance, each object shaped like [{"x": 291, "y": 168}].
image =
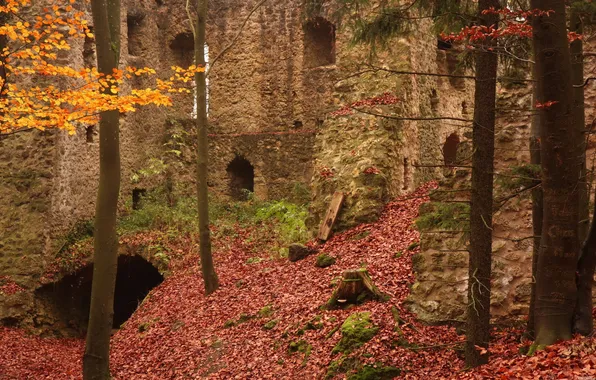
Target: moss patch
[
  {"x": 266, "y": 311},
  {"x": 355, "y": 332},
  {"x": 300, "y": 346},
  {"x": 324, "y": 260},
  {"x": 341, "y": 365},
  {"x": 270, "y": 325},
  {"x": 375, "y": 372}
]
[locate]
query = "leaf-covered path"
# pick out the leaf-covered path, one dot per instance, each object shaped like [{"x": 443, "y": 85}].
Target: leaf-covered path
[{"x": 244, "y": 329}]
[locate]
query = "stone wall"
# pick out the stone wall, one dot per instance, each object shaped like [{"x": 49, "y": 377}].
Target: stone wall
[
  {"x": 51, "y": 178},
  {"x": 440, "y": 292},
  {"x": 263, "y": 108},
  {"x": 405, "y": 152}
]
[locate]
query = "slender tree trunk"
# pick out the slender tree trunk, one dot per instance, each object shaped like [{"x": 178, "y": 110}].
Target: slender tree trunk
[
  {"x": 209, "y": 275},
  {"x": 96, "y": 363},
  {"x": 556, "y": 289},
  {"x": 583, "y": 320},
  {"x": 481, "y": 213},
  {"x": 579, "y": 120},
  {"x": 3, "y": 45},
  {"x": 537, "y": 206}
]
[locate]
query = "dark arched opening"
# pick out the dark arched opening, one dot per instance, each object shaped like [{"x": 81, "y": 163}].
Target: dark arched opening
[
  {"x": 183, "y": 47},
  {"x": 69, "y": 299},
  {"x": 242, "y": 177},
  {"x": 450, "y": 149},
  {"x": 319, "y": 43},
  {"x": 134, "y": 20}
]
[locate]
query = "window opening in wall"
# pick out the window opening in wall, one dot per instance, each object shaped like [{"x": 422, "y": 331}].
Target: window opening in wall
[
  {"x": 183, "y": 49},
  {"x": 89, "y": 60},
  {"x": 71, "y": 296},
  {"x": 241, "y": 175},
  {"x": 434, "y": 100},
  {"x": 193, "y": 114},
  {"x": 90, "y": 133},
  {"x": 450, "y": 149},
  {"x": 319, "y": 43},
  {"x": 406, "y": 174},
  {"x": 444, "y": 45},
  {"x": 133, "y": 24},
  {"x": 137, "y": 198}
]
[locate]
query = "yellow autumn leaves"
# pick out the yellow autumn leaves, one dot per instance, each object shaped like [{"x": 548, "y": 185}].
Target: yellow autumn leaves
[{"x": 40, "y": 87}]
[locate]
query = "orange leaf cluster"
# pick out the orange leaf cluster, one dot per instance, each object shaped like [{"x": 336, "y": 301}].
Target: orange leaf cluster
[{"x": 39, "y": 91}]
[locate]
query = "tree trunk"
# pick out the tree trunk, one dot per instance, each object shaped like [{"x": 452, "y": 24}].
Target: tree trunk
[
  {"x": 579, "y": 120},
  {"x": 537, "y": 206},
  {"x": 96, "y": 364},
  {"x": 481, "y": 202},
  {"x": 3, "y": 45},
  {"x": 559, "y": 246},
  {"x": 583, "y": 320},
  {"x": 207, "y": 267}
]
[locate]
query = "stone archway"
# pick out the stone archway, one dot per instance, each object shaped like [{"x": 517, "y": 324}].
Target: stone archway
[
  {"x": 241, "y": 175},
  {"x": 67, "y": 301}
]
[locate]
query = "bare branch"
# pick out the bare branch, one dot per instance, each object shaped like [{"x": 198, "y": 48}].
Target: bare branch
[{"x": 233, "y": 42}]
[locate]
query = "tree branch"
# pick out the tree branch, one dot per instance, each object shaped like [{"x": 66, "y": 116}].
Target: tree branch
[
  {"x": 233, "y": 42},
  {"x": 410, "y": 118}
]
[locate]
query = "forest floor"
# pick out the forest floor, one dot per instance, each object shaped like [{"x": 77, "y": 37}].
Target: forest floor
[{"x": 266, "y": 321}]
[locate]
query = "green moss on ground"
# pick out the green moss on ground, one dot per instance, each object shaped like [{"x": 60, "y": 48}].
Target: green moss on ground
[
  {"x": 356, "y": 330},
  {"x": 301, "y": 346},
  {"x": 270, "y": 325},
  {"x": 324, "y": 260},
  {"x": 375, "y": 372},
  {"x": 266, "y": 311},
  {"x": 341, "y": 365}
]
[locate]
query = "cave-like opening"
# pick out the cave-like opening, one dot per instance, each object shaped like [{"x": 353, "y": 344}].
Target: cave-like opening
[
  {"x": 450, "y": 149},
  {"x": 241, "y": 175},
  {"x": 319, "y": 43},
  {"x": 69, "y": 299}
]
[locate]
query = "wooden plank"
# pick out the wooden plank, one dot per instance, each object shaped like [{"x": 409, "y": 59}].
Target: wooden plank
[{"x": 327, "y": 224}]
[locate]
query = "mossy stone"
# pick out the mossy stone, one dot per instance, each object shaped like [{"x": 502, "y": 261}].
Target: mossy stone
[
  {"x": 375, "y": 372},
  {"x": 324, "y": 260},
  {"x": 356, "y": 330}
]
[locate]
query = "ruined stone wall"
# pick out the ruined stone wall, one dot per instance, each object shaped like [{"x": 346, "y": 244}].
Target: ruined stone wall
[
  {"x": 440, "y": 292},
  {"x": 406, "y": 153},
  {"x": 263, "y": 108},
  {"x": 51, "y": 177},
  {"x": 264, "y": 99}
]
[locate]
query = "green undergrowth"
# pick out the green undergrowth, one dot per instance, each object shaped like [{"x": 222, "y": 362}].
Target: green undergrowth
[
  {"x": 519, "y": 177},
  {"x": 273, "y": 224},
  {"x": 444, "y": 216}
]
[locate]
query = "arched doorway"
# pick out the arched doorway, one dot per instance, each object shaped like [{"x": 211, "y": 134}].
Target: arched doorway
[
  {"x": 241, "y": 175},
  {"x": 69, "y": 299},
  {"x": 450, "y": 149}
]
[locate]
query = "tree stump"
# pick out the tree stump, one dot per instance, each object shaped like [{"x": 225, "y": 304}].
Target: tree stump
[{"x": 356, "y": 287}]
